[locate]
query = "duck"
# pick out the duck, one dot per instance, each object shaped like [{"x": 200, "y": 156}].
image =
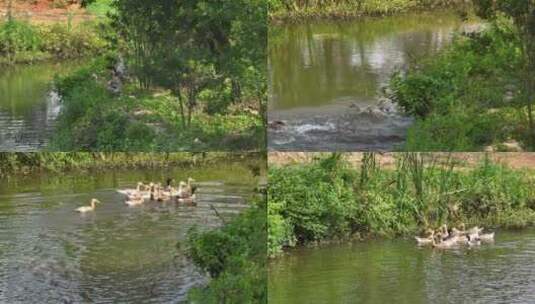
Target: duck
[
  {"x": 90, "y": 208},
  {"x": 443, "y": 231},
  {"x": 135, "y": 201},
  {"x": 188, "y": 201},
  {"x": 475, "y": 230},
  {"x": 426, "y": 241},
  {"x": 140, "y": 191},
  {"x": 487, "y": 237},
  {"x": 446, "y": 243}
]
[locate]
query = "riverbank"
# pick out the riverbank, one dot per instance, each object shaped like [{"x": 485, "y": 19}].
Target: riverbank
[
  {"x": 329, "y": 200},
  {"x": 235, "y": 258},
  {"x": 28, "y": 163},
  {"x": 470, "y": 97},
  {"x": 302, "y": 11}
]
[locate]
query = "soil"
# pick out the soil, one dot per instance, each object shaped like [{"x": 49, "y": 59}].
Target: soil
[
  {"x": 44, "y": 11},
  {"x": 513, "y": 160}
]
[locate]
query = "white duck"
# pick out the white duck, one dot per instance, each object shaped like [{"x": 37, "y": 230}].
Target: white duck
[{"x": 90, "y": 208}]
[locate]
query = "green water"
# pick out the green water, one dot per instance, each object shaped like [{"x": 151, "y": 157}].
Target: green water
[
  {"x": 398, "y": 271},
  {"x": 116, "y": 254},
  {"x": 324, "y": 74},
  {"x": 28, "y": 104}
]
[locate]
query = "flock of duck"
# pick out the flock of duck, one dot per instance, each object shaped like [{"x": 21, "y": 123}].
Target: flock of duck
[
  {"x": 184, "y": 194},
  {"x": 444, "y": 238}
]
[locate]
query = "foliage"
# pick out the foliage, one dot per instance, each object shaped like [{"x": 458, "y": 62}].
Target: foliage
[
  {"x": 461, "y": 97},
  {"x": 328, "y": 199},
  {"x": 235, "y": 258}
]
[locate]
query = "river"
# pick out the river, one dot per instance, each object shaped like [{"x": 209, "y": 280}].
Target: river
[
  {"x": 398, "y": 271},
  {"x": 117, "y": 254},
  {"x": 327, "y": 78},
  {"x": 28, "y": 105}
]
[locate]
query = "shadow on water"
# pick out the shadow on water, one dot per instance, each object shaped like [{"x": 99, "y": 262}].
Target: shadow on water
[
  {"x": 326, "y": 78},
  {"x": 117, "y": 254},
  {"x": 398, "y": 271},
  {"x": 28, "y": 105}
]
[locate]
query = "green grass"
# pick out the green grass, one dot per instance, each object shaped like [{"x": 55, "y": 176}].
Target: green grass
[
  {"x": 100, "y": 8},
  {"x": 329, "y": 200}
]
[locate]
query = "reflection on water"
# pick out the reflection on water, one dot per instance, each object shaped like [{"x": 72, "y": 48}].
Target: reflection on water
[
  {"x": 398, "y": 271},
  {"x": 28, "y": 105},
  {"x": 51, "y": 254},
  {"x": 319, "y": 70}
]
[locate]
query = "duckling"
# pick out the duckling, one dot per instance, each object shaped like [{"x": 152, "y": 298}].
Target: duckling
[
  {"x": 89, "y": 208},
  {"x": 426, "y": 241}
]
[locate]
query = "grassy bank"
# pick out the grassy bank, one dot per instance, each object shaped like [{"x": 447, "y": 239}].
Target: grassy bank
[
  {"x": 25, "y": 163},
  {"x": 23, "y": 42},
  {"x": 328, "y": 199},
  {"x": 94, "y": 119},
  {"x": 235, "y": 259},
  {"x": 468, "y": 98},
  {"x": 288, "y": 11}
]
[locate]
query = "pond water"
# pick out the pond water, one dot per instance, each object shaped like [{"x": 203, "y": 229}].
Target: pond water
[
  {"x": 28, "y": 105},
  {"x": 117, "y": 254},
  {"x": 326, "y": 79},
  {"x": 398, "y": 271}
]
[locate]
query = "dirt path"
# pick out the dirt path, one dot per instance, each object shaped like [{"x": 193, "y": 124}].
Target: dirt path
[
  {"x": 514, "y": 160},
  {"x": 44, "y": 11}
]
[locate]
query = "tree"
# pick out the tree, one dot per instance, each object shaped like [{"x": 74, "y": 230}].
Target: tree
[
  {"x": 522, "y": 12},
  {"x": 188, "y": 46}
]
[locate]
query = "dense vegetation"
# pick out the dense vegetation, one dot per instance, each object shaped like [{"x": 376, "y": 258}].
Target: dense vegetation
[
  {"x": 234, "y": 257},
  {"x": 23, "y": 163},
  {"x": 479, "y": 93},
  {"x": 328, "y": 199},
  {"x": 195, "y": 80},
  {"x": 295, "y": 10}
]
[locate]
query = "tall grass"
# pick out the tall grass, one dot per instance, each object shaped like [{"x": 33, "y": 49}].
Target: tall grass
[{"x": 329, "y": 199}]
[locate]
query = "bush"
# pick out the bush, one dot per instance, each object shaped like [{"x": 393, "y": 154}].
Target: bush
[
  {"x": 18, "y": 36},
  {"x": 63, "y": 41},
  {"x": 234, "y": 257},
  {"x": 458, "y": 96}
]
